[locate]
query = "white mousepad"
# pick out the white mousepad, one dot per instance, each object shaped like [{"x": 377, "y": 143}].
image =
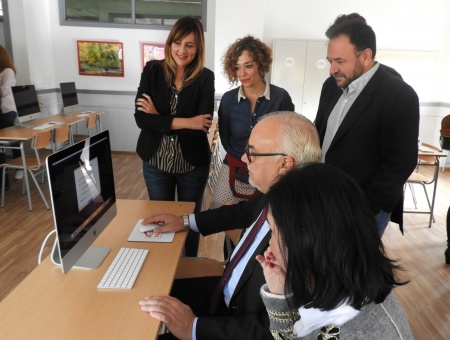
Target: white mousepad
[{"x": 138, "y": 236}]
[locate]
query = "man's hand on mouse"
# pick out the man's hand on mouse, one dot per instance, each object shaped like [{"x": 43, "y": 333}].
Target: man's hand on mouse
[{"x": 170, "y": 223}]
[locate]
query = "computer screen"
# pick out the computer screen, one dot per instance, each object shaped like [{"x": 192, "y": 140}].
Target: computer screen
[
  {"x": 27, "y": 103},
  {"x": 69, "y": 94},
  {"x": 82, "y": 192}
]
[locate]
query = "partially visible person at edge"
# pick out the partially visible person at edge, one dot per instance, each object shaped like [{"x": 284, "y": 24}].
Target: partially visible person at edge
[
  {"x": 8, "y": 107},
  {"x": 327, "y": 274},
  {"x": 174, "y": 107},
  {"x": 199, "y": 308},
  {"x": 246, "y": 61},
  {"x": 368, "y": 117}
]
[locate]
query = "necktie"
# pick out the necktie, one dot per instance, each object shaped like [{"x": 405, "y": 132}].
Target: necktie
[{"x": 235, "y": 260}]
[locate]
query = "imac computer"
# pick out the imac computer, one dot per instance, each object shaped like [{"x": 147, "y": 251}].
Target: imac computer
[
  {"x": 69, "y": 95},
  {"x": 27, "y": 104},
  {"x": 82, "y": 191}
]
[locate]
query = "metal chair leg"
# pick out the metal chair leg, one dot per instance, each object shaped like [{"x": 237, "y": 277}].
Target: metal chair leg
[
  {"x": 3, "y": 186},
  {"x": 413, "y": 194},
  {"x": 39, "y": 189},
  {"x": 429, "y": 204}
]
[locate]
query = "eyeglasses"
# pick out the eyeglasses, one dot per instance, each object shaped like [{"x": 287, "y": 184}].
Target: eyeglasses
[{"x": 250, "y": 154}]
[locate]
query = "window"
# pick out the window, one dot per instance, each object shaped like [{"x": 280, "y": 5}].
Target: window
[{"x": 154, "y": 14}]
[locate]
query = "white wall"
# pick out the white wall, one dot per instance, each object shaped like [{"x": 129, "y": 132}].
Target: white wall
[
  {"x": 45, "y": 52},
  {"x": 234, "y": 19}
]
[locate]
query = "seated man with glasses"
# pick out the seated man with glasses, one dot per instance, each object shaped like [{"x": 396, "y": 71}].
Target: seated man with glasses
[
  {"x": 230, "y": 307},
  {"x": 250, "y": 154}
]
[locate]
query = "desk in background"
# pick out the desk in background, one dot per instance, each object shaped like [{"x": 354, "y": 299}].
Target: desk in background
[
  {"x": 425, "y": 151},
  {"x": 22, "y": 134},
  {"x": 86, "y": 113},
  {"x": 51, "y": 305}
]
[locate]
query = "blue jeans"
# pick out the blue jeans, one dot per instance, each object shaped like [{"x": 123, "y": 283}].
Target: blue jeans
[
  {"x": 382, "y": 218},
  {"x": 190, "y": 186}
]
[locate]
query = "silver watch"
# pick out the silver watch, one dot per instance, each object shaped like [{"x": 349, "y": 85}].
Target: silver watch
[{"x": 186, "y": 223}]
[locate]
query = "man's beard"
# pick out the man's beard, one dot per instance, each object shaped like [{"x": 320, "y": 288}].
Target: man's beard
[{"x": 357, "y": 72}]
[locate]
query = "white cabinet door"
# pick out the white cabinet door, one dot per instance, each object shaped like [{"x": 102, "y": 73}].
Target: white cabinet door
[
  {"x": 300, "y": 67},
  {"x": 317, "y": 70},
  {"x": 288, "y": 68}
]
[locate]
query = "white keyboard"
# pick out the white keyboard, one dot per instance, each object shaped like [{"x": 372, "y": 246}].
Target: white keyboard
[{"x": 123, "y": 271}]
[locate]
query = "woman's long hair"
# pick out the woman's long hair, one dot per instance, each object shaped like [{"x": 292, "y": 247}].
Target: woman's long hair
[
  {"x": 329, "y": 239},
  {"x": 183, "y": 27},
  {"x": 5, "y": 60}
]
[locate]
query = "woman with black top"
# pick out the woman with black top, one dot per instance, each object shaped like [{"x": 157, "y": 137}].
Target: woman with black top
[{"x": 174, "y": 107}]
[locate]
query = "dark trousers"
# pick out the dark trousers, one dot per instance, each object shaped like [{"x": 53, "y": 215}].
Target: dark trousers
[
  {"x": 3, "y": 160},
  {"x": 190, "y": 186},
  {"x": 7, "y": 120},
  {"x": 447, "y": 252}
]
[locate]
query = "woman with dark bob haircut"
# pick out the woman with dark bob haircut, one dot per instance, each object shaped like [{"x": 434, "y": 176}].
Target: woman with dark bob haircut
[
  {"x": 246, "y": 62},
  {"x": 327, "y": 273}
]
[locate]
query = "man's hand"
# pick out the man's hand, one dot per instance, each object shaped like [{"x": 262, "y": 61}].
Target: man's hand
[
  {"x": 177, "y": 316},
  {"x": 170, "y": 223}
]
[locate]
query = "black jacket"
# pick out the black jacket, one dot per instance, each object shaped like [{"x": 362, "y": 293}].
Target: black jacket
[
  {"x": 376, "y": 142},
  {"x": 246, "y": 318},
  {"x": 195, "y": 99}
]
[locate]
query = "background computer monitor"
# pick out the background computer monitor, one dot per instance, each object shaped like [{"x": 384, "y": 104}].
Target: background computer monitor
[
  {"x": 27, "y": 103},
  {"x": 82, "y": 191},
  {"x": 69, "y": 94}
]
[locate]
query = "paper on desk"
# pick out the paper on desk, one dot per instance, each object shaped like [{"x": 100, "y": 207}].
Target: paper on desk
[
  {"x": 425, "y": 149},
  {"x": 46, "y": 125},
  {"x": 138, "y": 236}
]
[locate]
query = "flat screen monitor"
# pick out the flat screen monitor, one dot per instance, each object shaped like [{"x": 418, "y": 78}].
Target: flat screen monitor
[
  {"x": 27, "y": 103},
  {"x": 69, "y": 94},
  {"x": 82, "y": 191}
]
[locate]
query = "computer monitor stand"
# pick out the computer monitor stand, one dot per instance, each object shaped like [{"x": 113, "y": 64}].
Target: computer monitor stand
[
  {"x": 19, "y": 124},
  {"x": 91, "y": 259}
]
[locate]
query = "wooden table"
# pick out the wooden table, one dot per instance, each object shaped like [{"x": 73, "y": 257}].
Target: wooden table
[
  {"x": 22, "y": 134},
  {"x": 84, "y": 112},
  {"x": 51, "y": 305}
]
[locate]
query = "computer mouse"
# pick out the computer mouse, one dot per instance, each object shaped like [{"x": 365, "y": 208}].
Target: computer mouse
[{"x": 148, "y": 227}]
